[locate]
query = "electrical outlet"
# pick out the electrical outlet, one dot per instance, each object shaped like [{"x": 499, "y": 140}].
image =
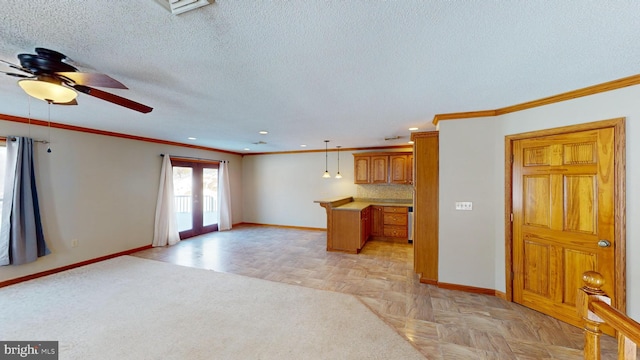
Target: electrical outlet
[
  {"x": 464, "y": 205},
  {"x": 75, "y": 243}
]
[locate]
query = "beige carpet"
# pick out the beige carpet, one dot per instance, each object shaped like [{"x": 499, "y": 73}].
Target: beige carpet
[{"x": 132, "y": 308}]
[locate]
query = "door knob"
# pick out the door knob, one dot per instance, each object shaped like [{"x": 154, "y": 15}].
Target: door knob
[{"x": 604, "y": 243}]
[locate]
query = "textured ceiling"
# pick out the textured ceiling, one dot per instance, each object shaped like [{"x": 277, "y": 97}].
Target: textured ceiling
[{"x": 353, "y": 71}]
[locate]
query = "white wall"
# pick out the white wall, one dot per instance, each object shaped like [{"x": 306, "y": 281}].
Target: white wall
[
  {"x": 280, "y": 189},
  {"x": 483, "y": 229},
  {"x": 466, "y": 157},
  {"x": 101, "y": 191}
]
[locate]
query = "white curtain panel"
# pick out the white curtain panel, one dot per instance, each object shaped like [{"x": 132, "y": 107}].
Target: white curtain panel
[
  {"x": 166, "y": 225},
  {"x": 224, "y": 197}
]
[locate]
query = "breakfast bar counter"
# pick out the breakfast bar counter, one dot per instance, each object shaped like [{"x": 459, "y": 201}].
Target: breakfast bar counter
[{"x": 351, "y": 222}]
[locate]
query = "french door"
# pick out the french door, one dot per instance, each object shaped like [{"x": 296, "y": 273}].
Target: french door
[{"x": 195, "y": 191}]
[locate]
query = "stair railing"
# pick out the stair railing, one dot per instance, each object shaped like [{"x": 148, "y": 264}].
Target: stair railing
[{"x": 594, "y": 306}]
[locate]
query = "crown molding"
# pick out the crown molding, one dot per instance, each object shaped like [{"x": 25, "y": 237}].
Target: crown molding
[
  {"x": 570, "y": 95},
  {"x": 24, "y": 120}
]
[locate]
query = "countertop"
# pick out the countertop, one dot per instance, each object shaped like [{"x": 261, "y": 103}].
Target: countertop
[
  {"x": 359, "y": 204},
  {"x": 335, "y": 199}
]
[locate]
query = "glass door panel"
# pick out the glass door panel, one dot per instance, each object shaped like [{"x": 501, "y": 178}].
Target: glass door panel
[
  {"x": 182, "y": 194},
  {"x": 209, "y": 196}
]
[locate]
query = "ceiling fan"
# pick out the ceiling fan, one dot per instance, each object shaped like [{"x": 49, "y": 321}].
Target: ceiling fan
[{"x": 48, "y": 76}]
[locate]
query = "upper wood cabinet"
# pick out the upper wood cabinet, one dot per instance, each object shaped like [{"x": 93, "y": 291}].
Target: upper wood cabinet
[
  {"x": 410, "y": 168},
  {"x": 379, "y": 169},
  {"x": 383, "y": 168},
  {"x": 400, "y": 169},
  {"x": 361, "y": 165}
]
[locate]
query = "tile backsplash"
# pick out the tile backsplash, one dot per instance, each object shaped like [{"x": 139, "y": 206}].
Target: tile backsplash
[{"x": 395, "y": 192}]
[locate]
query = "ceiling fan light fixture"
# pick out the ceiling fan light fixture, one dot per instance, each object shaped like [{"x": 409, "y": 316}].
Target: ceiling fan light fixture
[{"x": 47, "y": 91}]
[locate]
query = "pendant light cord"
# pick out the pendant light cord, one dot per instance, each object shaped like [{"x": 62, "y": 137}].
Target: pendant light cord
[
  {"x": 326, "y": 156},
  {"x": 326, "y": 160},
  {"x": 49, "y": 127},
  {"x": 338, "y": 175},
  {"x": 29, "y": 112}
]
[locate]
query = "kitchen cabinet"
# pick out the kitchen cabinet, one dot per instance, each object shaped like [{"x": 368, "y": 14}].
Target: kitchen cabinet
[
  {"x": 371, "y": 169},
  {"x": 377, "y": 220},
  {"x": 400, "y": 169},
  {"x": 383, "y": 168},
  {"x": 350, "y": 224},
  {"x": 389, "y": 223},
  {"x": 365, "y": 226},
  {"x": 379, "y": 169},
  {"x": 361, "y": 166},
  {"x": 350, "y": 230},
  {"x": 411, "y": 168},
  {"x": 395, "y": 223},
  {"x": 425, "y": 210}
]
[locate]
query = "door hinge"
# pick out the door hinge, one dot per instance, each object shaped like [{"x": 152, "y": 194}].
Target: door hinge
[
  {"x": 511, "y": 217},
  {"x": 512, "y": 158}
]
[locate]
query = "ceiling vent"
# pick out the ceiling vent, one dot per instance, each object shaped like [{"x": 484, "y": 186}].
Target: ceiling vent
[{"x": 179, "y": 6}]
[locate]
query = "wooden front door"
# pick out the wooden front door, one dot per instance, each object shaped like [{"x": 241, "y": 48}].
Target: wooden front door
[{"x": 563, "y": 218}]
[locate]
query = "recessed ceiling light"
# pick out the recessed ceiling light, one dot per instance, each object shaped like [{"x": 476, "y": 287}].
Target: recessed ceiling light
[
  {"x": 410, "y": 141},
  {"x": 191, "y": 138},
  {"x": 303, "y": 145},
  {"x": 246, "y": 149},
  {"x": 263, "y": 132},
  {"x": 413, "y": 129}
]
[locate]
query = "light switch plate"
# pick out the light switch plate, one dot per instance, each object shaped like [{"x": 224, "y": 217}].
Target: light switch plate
[{"x": 464, "y": 205}]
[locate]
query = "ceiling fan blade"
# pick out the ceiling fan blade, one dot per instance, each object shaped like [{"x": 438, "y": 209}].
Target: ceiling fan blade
[
  {"x": 93, "y": 79},
  {"x": 72, "y": 102},
  {"x": 118, "y": 100},
  {"x": 17, "y": 75},
  {"x": 14, "y": 66}
]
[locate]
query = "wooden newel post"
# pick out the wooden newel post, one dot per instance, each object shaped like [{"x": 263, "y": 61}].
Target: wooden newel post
[{"x": 590, "y": 292}]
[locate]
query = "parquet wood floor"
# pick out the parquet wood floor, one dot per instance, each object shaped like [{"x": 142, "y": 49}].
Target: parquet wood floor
[{"x": 442, "y": 324}]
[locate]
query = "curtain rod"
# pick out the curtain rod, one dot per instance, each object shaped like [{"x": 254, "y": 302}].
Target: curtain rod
[
  {"x": 193, "y": 158},
  {"x": 12, "y": 138}
]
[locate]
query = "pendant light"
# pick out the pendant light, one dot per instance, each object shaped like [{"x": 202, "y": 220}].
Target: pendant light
[
  {"x": 326, "y": 160},
  {"x": 338, "y": 175}
]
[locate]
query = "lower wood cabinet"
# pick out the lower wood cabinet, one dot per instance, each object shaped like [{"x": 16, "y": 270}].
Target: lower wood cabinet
[
  {"x": 350, "y": 229},
  {"x": 377, "y": 220},
  {"x": 365, "y": 226},
  {"x": 395, "y": 223}
]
